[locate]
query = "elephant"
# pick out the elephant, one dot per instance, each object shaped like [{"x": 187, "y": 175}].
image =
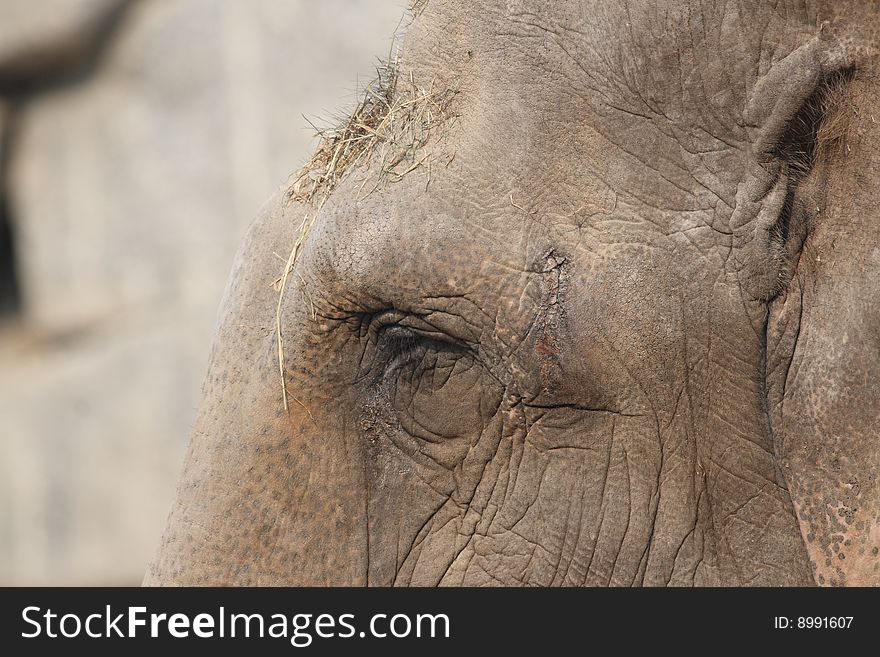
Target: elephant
[{"x": 584, "y": 293}]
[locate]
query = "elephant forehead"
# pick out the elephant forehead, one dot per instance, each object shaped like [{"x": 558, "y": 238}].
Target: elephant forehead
[
  {"x": 452, "y": 241},
  {"x": 674, "y": 60}
]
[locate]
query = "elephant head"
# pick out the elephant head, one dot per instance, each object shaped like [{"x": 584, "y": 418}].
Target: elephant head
[{"x": 585, "y": 293}]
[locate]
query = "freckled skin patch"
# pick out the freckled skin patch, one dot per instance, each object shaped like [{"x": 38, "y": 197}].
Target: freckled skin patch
[
  {"x": 824, "y": 393},
  {"x": 617, "y": 330}
]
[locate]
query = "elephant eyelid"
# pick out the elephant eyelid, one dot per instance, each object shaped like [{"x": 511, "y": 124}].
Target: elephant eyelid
[
  {"x": 393, "y": 338},
  {"x": 395, "y": 327},
  {"x": 401, "y": 341}
]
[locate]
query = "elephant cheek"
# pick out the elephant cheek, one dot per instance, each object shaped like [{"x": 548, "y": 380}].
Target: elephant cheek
[
  {"x": 825, "y": 412},
  {"x": 266, "y": 496}
]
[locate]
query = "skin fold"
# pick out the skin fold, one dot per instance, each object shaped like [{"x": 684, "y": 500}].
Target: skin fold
[{"x": 625, "y": 330}]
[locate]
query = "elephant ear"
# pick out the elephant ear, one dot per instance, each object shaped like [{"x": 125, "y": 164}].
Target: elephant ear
[
  {"x": 787, "y": 117},
  {"x": 823, "y": 326}
]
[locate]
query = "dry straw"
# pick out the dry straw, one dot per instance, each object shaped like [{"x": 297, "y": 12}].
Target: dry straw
[{"x": 388, "y": 131}]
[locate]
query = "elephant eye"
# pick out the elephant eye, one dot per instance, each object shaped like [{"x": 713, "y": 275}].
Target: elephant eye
[
  {"x": 431, "y": 388},
  {"x": 404, "y": 345},
  {"x": 395, "y": 339}
]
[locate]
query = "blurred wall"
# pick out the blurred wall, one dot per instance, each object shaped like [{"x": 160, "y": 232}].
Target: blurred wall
[{"x": 137, "y": 139}]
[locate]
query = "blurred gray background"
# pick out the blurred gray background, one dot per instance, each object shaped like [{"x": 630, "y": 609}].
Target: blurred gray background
[{"x": 137, "y": 140}]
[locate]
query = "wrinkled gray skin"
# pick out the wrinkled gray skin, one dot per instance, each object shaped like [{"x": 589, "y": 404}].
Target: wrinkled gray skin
[{"x": 600, "y": 348}]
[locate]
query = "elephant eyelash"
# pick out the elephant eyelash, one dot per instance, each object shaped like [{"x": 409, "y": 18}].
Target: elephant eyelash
[
  {"x": 398, "y": 342},
  {"x": 403, "y": 344},
  {"x": 395, "y": 329},
  {"x": 392, "y": 344}
]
